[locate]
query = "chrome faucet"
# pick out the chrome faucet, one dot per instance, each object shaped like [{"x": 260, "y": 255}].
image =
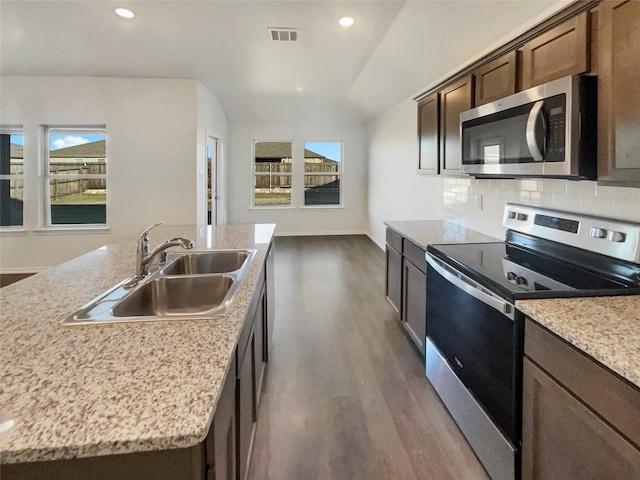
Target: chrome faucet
[{"x": 144, "y": 255}]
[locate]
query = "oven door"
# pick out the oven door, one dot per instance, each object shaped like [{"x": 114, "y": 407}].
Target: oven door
[{"x": 474, "y": 362}]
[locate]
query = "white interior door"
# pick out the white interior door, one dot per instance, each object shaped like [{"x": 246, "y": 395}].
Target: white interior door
[{"x": 212, "y": 181}]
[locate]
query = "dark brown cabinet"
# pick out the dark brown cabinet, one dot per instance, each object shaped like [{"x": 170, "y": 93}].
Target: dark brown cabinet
[
  {"x": 429, "y": 134},
  {"x": 393, "y": 286},
  {"x": 221, "y": 441},
  {"x": 454, "y": 99},
  {"x": 580, "y": 421},
  {"x": 497, "y": 79},
  {"x": 414, "y": 293},
  {"x": 246, "y": 403},
  {"x": 562, "y": 51},
  {"x": 618, "y": 92}
]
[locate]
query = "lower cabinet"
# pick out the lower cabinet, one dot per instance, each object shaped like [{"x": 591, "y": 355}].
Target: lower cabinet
[
  {"x": 580, "y": 421},
  {"x": 245, "y": 405},
  {"x": 394, "y": 270},
  {"x": 221, "y": 441},
  {"x": 406, "y": 285},
  {"x": 414, "y": 295}
]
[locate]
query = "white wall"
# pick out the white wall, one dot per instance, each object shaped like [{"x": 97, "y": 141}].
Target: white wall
[
  {"x": 212, "y": 121},
  {"x": 151, "y": 151},
  {"x": 396, "y": 192},
  {"x": 351, "y": 218}
]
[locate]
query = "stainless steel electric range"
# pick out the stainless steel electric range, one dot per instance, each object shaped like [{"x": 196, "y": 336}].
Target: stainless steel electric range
[{"x": 475, "y": 334}]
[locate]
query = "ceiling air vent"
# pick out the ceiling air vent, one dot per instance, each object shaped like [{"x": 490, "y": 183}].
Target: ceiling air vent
[{"x": 284, "y": 34}]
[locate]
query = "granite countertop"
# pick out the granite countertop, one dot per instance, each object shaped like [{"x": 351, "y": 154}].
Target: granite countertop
[
  {"x": 80, "y": 391},
  {"x": 432, "y": 232},
  {"x": 606, "y": 328}
]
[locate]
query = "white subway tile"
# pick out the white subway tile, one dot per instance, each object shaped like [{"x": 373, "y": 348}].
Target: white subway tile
[
  {"x": 596, "y": 206},
  {"x": 614, "y": 193},
  {"x": 551, "y": 186},
  {"x": 531, "y": 185},
  {"x": 581, "y": 188},
  {"x": 626, "y": 209},
  {"x": 566, "y": 202}
]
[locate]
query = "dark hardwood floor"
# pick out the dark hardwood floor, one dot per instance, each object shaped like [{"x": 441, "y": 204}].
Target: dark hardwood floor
[{"x": 345, "y": 396}]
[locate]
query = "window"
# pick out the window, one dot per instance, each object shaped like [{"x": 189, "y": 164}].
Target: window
[
  {"x": 11, "y": 177},
  {"x": 272, "y": 173},
  {"x": 75, "y": 181},
  {"x": 322, "y": 172}
]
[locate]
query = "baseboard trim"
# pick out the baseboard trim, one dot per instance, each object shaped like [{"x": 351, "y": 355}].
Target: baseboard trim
[{"x": 320, "y": 233}]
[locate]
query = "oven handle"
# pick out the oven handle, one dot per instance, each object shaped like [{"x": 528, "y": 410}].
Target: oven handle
[{"x": 467, "y": 285}]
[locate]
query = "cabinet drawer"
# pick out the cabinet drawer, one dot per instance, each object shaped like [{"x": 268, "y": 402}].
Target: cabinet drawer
[
  {"x": 394, "y": 240},
  {"x": 415, "y": 255},
  {"x": 613, "y": 398}
]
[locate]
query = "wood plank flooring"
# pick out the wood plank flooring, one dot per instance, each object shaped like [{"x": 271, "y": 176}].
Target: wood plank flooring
[{"x": 345, "y": 395}]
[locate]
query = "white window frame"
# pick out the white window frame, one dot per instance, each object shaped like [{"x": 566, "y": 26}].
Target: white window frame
[
  {"x": 15, "y": 130},
  {"x": 254, "y": 174},
  {"x": 339, "y": 174},
  {"x": 47, "y": 176}
]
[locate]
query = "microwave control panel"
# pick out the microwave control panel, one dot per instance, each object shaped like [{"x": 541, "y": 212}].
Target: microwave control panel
[{"x": 555, "y": 113}]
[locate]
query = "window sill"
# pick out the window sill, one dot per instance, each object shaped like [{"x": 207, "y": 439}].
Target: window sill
[
  {"x": 273, "y": 207},
  {"x": 13, "y": 231},
  {"x": 72, "y": 230},
  {"x": 314, "y": 207}
]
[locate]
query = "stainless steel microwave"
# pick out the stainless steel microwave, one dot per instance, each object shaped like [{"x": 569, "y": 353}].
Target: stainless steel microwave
[{"x": 545, "y": 131}]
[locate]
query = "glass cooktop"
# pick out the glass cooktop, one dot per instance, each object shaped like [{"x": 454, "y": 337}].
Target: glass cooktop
[{"x": 515, "y": 273}]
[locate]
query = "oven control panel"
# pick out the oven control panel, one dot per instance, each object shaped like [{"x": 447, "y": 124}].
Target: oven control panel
[{"x": 606, "y": 236}]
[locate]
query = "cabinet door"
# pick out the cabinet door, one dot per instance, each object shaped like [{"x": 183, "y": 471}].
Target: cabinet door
[
  {"x": 618, "y": 92},
  {"x": 454, "y": 100},
  {"x": 222, "y": 465},
  {"x": 259, "y": 320},
  {"x": 562, "y": 51},
  {"x": 414, "y": 303},
  {"x": 245, "y": 403},
  {"x": 394, "y": 278},
  {"x": 562, "y": 438},
  {"x": 497, "y": 79},
  {"x": 428, "y": 134},
  {"x": 270, "y": 301}
]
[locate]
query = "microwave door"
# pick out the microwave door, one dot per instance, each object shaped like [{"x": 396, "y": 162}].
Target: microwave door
[{"x": 536, "y": 132}]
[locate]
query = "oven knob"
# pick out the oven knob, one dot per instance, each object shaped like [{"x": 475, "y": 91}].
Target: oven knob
[
  {"x": 511, "y": 276},
  {"x": 617, "y": 236},
  {"x": 598, "y": 232},
  {"x": 521, "y": 281},
  {"x": 522, "y": 216},
  {"x": 512, "y": 214}
]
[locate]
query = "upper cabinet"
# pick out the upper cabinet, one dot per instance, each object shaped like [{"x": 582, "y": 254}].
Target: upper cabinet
[
  {"x": 562, "y": 51},
  {"x": 618, "y": 93},
  {"x": 428, "y": 134},
  {"x": 497, "y": 79},
  {"x": 454, "y": 99}
]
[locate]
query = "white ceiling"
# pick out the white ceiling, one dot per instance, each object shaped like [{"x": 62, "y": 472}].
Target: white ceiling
[{"x": 395, "y": 48}]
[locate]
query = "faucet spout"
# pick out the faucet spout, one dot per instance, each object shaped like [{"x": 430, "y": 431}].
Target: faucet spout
[{"x": 144, "y": 256}]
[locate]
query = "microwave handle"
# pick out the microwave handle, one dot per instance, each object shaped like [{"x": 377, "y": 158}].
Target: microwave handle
[{"x": 532, "y": 143}]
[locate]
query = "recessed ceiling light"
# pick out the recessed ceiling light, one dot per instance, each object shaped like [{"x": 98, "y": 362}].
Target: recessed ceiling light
[
  {"x": 346, "y": 21},
  {"x": 124, "y": 13},
  {"x": 299, "y": 89}
]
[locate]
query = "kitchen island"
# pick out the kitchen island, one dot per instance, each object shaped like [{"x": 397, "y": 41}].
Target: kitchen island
[{"x": 116, "y": 388}]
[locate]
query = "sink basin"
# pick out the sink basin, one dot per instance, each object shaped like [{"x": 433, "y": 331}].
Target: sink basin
[
  {"x": 199, "y": 263},
  {"x": 175, "y": 296},
  {"x": 189, "y": 285}
]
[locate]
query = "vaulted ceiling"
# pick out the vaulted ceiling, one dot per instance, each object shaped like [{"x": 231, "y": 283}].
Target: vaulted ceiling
[{"x": 394, "y": 49}]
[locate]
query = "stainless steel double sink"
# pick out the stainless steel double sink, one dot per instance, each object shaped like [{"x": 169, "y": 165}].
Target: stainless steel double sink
[{"x": 197, "y": 284}]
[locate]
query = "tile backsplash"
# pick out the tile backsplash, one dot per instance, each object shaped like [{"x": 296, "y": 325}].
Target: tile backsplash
[{"x": 480, "y": 202}]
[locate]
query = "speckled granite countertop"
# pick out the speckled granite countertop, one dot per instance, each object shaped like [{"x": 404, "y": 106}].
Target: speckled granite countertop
[
  {"x": 79, "y": 391},
  {"x": 432, "y": 232},
  {"x": 607, "y": 328}
]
